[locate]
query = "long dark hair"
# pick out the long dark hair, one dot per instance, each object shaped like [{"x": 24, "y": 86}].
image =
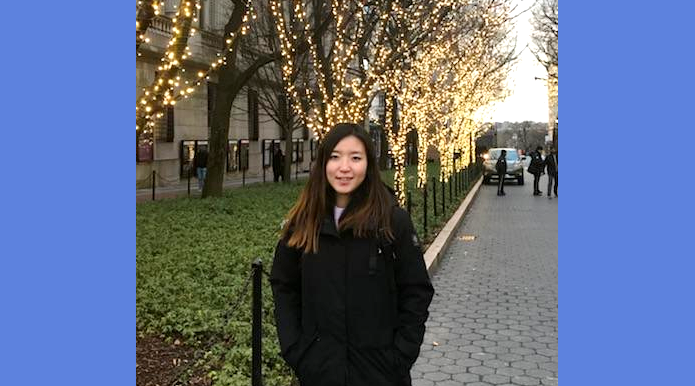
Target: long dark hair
[{"x": 370, "y": 206}]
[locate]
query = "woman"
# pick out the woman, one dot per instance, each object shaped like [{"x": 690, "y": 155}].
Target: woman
[{"x": 349, "y": 280}]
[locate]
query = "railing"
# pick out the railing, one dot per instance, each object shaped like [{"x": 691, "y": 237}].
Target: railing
[
  {"x": 459, "y": 184},
  {"x": 162, "y": 23},
  {"x": 211, "y": 40}
]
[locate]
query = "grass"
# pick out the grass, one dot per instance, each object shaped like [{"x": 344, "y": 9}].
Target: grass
[{"x": 193, "y": 260}]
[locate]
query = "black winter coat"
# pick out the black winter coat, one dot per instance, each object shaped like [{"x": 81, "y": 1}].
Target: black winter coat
[
  {"x": 550, "y": 164},
  {"x": 201, "y": 159},
  {"x": 501, "y": 166},
  {"x": 278, "y": 161},
  {"x": 536, "y": 166},
  {"x": 354, "y": 314}
]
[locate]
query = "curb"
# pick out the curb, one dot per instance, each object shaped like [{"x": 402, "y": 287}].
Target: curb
[{"x": 435, "y": 251}]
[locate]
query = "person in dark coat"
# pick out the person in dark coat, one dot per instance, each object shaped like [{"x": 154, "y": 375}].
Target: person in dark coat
[
  {"x": 278, "y": 164},
  {"x": 551, "y": 168},
  {"x": 536, "y": 168},
  {"x": 501, "y": 167},
  {"x": 200, "y": 162},
  {"x": 349, "y": 280}
]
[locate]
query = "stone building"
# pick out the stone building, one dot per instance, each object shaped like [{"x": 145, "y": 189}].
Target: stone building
[{"x": 185, "y": 126}]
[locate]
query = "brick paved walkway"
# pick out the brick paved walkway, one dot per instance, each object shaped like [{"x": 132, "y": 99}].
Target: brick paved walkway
[{"x": 494, "y": 314}]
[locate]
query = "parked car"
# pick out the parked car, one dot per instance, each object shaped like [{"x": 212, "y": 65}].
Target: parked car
[{"x": 515, "y": 165}]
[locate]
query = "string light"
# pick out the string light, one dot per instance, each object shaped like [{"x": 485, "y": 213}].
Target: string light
[
  {"x": 441, "y": 64},
  {"x": 155, "y": 97},
  {"x": 445, "y": 87}
]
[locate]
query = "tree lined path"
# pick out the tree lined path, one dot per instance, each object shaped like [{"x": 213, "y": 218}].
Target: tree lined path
[{"x": 493, "y": 320}]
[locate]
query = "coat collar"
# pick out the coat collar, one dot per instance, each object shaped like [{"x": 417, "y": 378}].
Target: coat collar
[{"x": 328, "y": 226}]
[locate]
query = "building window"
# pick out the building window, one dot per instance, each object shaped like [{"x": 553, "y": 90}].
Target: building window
[
  {"x": 143, "y": 147},
  {"x": 165, "y": 126},
  {"x": 232, "y": 155},
  {"x": 170, "y": 124},
  {"x": 298, "y": 150},
  {"x": 268, "y": 147},
  {"x": 202, "y": 17},
  {"x": 253, "y": 114},
  {"x": 243, "y": 152},
  {"x": 189, "y": 148}
]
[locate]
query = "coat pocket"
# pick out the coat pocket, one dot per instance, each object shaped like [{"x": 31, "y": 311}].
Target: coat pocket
[
  {"x": 296, "y": 355},
  {"x": 310, "y": 366}
]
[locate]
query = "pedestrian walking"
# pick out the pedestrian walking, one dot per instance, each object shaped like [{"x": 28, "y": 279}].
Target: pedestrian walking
[
  {"x": 349, "y": 280},
  {"x": 200, "y": 161},
  {"x": 551, "y": 168},
  {"x": 501, "y": 167},
  {"x": 278, "y": 164},
  {"x": 536, "y": 168}
]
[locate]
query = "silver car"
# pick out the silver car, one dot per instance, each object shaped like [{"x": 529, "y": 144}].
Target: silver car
[{"x": 515, "y": 167}]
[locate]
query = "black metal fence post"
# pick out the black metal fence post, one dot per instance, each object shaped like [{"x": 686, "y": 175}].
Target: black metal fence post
[
  {"x": 456, "y": 182},
  {"x": 189, "y": 182},
  {"x": 451, "y": 176},
  {"x": 465, "y": 178},
  {"x": 410, "y": 204},
  {"x": 424, "y": 209},
  {"x": 272, "y": 151},
  {"x": 243, "y": 177},
  {"x": 257, "y": 327},
  {"x": 460, "y": 173},
  {"x": 434, "y": 195},
  {"x": 154, "y": 182},
  {"x": 443, "y": 196}
]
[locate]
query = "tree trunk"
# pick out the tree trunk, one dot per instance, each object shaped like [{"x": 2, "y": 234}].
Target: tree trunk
[
  {"x": 287, "y": 172},
  {"x": 226, "y": 93},
  {"x": 219, "y": 135},
  {"x": 399, "y": 180}
]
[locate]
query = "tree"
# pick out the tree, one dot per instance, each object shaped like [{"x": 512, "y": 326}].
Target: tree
[
  {"x": 545, "y": 42},
  {"x": 351, "y": 45},
  {"x": 232, "y": 77},
  {"x": 443, "y": 87},
  {"x": 162, "y": 92},
  {"x": 146, "y": 11},
  {"x": 545, "y": 36},
  {"x": 273, "y": 97}
]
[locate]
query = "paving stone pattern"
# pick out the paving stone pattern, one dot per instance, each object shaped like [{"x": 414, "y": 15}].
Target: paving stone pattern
[{"x": 494, "y": 313}]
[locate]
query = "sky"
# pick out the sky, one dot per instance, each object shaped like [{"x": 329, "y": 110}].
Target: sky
[{"x": 529, "y": 99}]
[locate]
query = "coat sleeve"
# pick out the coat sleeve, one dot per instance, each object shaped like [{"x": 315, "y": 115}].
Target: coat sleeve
[
  {"x": 285, "y": 281},
  {"x": 414, "y": 289}
]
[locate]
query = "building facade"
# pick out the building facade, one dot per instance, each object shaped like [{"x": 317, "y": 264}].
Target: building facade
[{"x": 184, "y": 128}]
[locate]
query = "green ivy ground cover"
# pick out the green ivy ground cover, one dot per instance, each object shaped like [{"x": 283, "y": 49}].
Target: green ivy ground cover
[{"x": 193, "y": 259}]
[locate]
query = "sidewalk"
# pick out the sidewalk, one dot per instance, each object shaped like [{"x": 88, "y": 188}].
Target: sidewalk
[
  {"x": 181, "y": 189},
  {"x": 493, "y": 319}
]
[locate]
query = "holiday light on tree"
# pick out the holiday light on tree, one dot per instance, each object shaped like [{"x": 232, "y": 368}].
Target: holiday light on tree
[{"x": 169, "y": 87}]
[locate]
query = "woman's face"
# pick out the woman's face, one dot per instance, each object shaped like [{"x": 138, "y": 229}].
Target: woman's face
[{"x": 346, "y": 168}]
